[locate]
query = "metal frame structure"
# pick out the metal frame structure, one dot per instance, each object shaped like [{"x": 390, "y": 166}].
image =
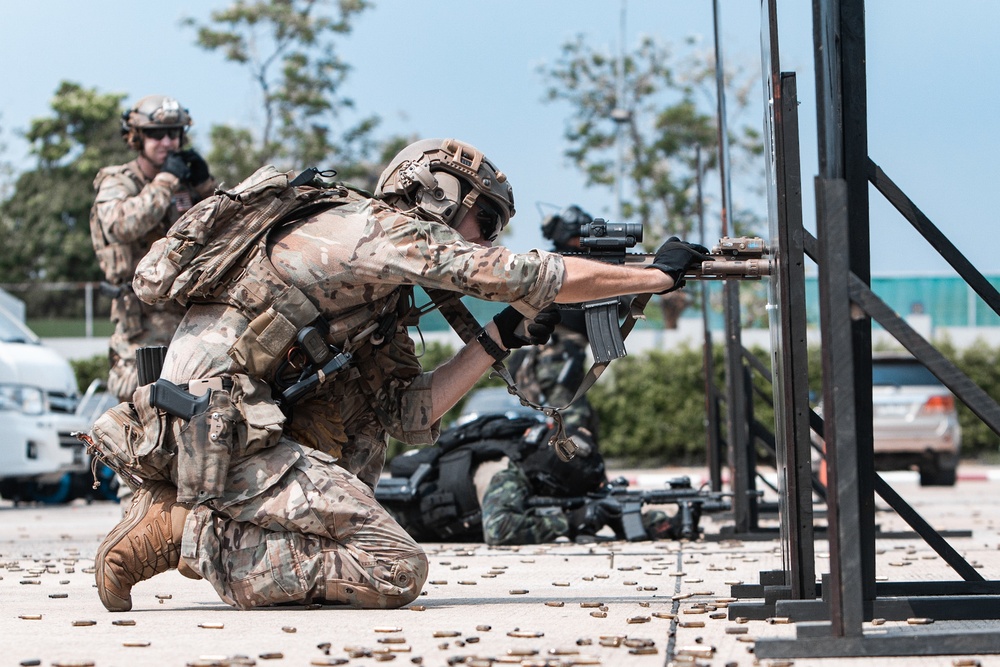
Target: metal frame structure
[{"x": 850, "y": 594}]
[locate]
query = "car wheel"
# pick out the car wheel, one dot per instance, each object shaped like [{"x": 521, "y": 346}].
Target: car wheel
[{"x": 937, "y": 476}]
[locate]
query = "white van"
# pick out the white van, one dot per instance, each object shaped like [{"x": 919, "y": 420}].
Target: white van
[{"x": 38, "y": 412}]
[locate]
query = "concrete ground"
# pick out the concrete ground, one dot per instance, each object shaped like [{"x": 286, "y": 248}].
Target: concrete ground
[{"x": 611, "y": 603}]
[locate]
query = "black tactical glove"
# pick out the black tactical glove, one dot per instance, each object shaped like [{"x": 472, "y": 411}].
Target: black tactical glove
[
  {"x": 516, "y": 332},
  {"x": 174, "y": 164},
  {"x": 197, "y": 167},
  {"x": 593, "y": 516},
  {"x": 675, "y": 257}
]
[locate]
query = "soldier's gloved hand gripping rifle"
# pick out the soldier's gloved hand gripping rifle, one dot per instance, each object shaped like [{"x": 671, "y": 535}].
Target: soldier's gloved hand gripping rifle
[{"x": 742, "y": 258}]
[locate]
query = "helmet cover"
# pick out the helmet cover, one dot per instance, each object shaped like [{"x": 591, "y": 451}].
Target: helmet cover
[{"x": 443, "y": 179}]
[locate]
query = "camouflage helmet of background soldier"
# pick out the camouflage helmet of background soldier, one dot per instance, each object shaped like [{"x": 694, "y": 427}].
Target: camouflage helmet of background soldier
[
  {"x": 564, "y": 226},
  {"x": 442, "y": 179},
  {"x": 153, "y": 111}
]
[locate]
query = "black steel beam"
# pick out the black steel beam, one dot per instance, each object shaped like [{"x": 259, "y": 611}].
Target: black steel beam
[
  {"x": 933, "y": 235},
  {"x": 958, "y": 382},
  {"x": 973, "y": 642}
]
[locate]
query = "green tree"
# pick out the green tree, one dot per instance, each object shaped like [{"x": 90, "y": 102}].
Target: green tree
[
  {"x": 660, "y": 106},
  {"x": 45, "y": 221},
  {"x": 289, "y": 47}
]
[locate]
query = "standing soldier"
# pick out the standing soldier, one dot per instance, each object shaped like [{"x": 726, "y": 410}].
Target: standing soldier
[{"x": 136, "y": 203}]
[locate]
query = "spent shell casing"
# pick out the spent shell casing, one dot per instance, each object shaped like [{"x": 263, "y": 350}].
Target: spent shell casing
[
  {"x": 522, "y": 651},
  {"x": 136, "y": 644},
  {"x": 82, "y": 624},
  {"x": 124, "y": 621}
]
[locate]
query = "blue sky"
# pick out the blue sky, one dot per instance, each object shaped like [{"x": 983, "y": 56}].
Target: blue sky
[{"x": 469, "y": 70}]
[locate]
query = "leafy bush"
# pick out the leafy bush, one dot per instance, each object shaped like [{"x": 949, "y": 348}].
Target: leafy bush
[
  {"x": 651, "y": 406},
  {"x": 87, "y": 370}
]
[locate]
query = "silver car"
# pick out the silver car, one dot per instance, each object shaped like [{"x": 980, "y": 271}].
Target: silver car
[
  {"x": 914, "y": 424},
  {"x": 915, "y": 421}
]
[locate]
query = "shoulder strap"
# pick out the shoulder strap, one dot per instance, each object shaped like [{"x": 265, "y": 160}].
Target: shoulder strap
[{"x": 466, "y": 326}]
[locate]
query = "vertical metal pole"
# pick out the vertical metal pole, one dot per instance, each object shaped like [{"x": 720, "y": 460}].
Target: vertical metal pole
[
  {"x": 713, "y": 444},
  {"x": 619, "y": 115},
  {"x": 843, "y": 230},
  {"x": 744, "y": 507},
  {"x": 88, "y": 307}
]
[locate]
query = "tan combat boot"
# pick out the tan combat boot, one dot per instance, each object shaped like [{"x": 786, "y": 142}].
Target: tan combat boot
[{"x": 145, "y": 543}]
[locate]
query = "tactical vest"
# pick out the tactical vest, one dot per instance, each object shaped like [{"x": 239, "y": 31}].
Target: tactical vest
[{"x": 217, "y": 253}]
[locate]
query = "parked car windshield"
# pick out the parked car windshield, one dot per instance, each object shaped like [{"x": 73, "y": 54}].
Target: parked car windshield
[
  {"x": 902, "y": 374},
  {"x": 12, "y": 331}
]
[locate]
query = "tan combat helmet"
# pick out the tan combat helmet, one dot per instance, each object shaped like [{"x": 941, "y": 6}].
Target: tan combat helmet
[
  {"x": 443, "y": 179},
  {"x": 153, "y": 111}
]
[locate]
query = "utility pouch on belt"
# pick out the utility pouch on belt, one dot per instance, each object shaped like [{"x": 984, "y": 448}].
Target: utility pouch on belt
[{"x": 129, "y": 438}]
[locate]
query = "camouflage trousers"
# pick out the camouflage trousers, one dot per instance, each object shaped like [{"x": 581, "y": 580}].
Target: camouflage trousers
[{"x": 318, "y": 536}]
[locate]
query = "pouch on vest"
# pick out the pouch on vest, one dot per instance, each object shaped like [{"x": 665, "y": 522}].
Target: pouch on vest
[{"x": 270, "y": 334}]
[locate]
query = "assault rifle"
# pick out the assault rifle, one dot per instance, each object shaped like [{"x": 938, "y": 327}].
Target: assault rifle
[
  {"x": 741, "y": 258},
  {"x": 691, "y": 504}
]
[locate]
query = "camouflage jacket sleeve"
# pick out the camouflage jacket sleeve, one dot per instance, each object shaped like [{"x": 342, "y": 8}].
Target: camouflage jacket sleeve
[
  {"x": 127, "y": 213},
  {"x": 433, "y": 255},
  {"x": 507, "y": 519}
]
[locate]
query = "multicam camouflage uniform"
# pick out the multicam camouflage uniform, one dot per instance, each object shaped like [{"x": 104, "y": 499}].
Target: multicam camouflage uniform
[
  {"x": 130, "y": 212},
  {"x": 274, "y": 521}
]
